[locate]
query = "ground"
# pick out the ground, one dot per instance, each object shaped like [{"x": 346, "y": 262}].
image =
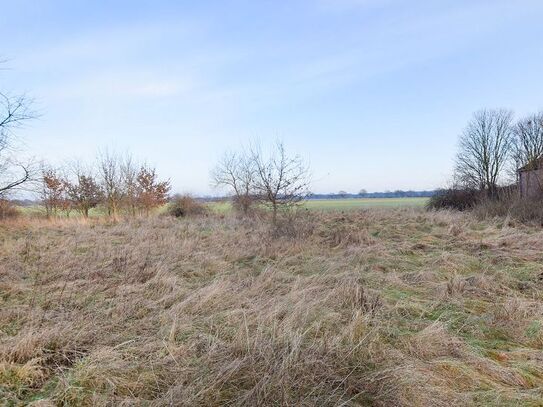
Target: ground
[{"x": 363, "y": 307}]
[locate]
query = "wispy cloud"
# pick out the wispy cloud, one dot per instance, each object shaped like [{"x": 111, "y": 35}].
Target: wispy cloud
[
  {"x": 348, "y": 5},
  {"x": 118, "y": 86},
  {"x": 202, "y": 76}
]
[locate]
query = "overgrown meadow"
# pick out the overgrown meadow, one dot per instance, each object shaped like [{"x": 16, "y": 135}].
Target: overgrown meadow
[{"x": 368, "y": 307}]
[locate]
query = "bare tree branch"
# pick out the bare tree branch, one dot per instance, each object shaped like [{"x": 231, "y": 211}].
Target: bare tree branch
[
  {"x": 237, "y": 172},
  {"x": 14, "y": 112},
  {"x": 111, "y": 179},
  {"x": 282, "y": 181},
  {"x": 527, "y": 146},
  {"x": 484, "y": 150}
]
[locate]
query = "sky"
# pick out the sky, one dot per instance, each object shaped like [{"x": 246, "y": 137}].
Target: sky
[{"x": 372, "y": 93}]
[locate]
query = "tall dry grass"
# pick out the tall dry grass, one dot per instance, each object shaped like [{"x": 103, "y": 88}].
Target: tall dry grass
[
  {"x": 8, "y": 210},
  {"x": 375, "y": 307}
]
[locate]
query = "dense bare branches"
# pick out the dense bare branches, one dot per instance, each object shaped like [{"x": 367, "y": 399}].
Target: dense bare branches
[
  {"x": 275, "y": 179},
  {"x": 484, "y": 150},
  {"x": 14, "y": 112},
  {"x": 281, "y": 180},
  {"x": 129, "y": 173},
  {"x": 111, "y": 179},
  {"x": 13, "y": 174},
  {"x": 237, "y": 172},
  {"x": 527, "y": 144}
]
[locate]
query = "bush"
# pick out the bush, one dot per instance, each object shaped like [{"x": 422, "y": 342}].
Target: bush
[
  {"x": 185, "y": 205},
  {"x": 524, "y": 210},
  {"x": 459, "y": 199},
  {"x": 296, "y": 223},
  {"x": 8, "y": 210},
  {"x": 505, "y": 202},
  {"x": 243, "y": 204}
]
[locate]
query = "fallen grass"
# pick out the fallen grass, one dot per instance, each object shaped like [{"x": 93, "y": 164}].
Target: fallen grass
[{"x": 374, "y": 307}]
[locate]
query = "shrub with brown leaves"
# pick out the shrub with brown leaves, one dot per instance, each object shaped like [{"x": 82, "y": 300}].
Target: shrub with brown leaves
[{"x": 185, "y": 205}]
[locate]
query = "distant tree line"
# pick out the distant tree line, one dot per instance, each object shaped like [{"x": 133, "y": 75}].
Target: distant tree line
[
  {"x": 385, "y": 194},
  {"x": 118, "y": 183}
]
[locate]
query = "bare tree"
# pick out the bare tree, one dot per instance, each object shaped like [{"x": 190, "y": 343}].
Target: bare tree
[
  {"x": 111, "y": 180},
  {"x": 281, "y": 181},
  {"x": 527, "y": 146},
  {"x": 237, "y": 172},
  {"x": 129, "y": 177},
  {"x": 14, "y": 112},
  {"x": 484, "y": 150}
]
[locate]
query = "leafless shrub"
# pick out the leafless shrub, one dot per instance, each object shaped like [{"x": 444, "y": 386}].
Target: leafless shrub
[
  {"x": 282, "y": 181},
  {"x": 244, "y": 204},
  {"x": 271, "y": 179},
  {"x": 111, "y": 180},
  {"x": 293, "y": 223},
  {"x": 459, "y": 199},
  {"x": 128, "y": 168},
  {"x": 185, "y": 205},
  {"x": 237, "y": 172}
]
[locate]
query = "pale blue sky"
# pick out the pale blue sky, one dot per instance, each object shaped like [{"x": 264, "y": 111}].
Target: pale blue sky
[{"x": 372, "y": 92}]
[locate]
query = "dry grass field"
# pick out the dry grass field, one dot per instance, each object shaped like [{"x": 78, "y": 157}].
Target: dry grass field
[{"x": 385, "y": 307}]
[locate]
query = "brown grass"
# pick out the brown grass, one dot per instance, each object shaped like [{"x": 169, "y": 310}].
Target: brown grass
[
  {"x": 512, "y": 209},
  {"x": 185, "y": 205},
  {"x": 8, "y": 210},
  {"x": 376, "y": 307}
]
